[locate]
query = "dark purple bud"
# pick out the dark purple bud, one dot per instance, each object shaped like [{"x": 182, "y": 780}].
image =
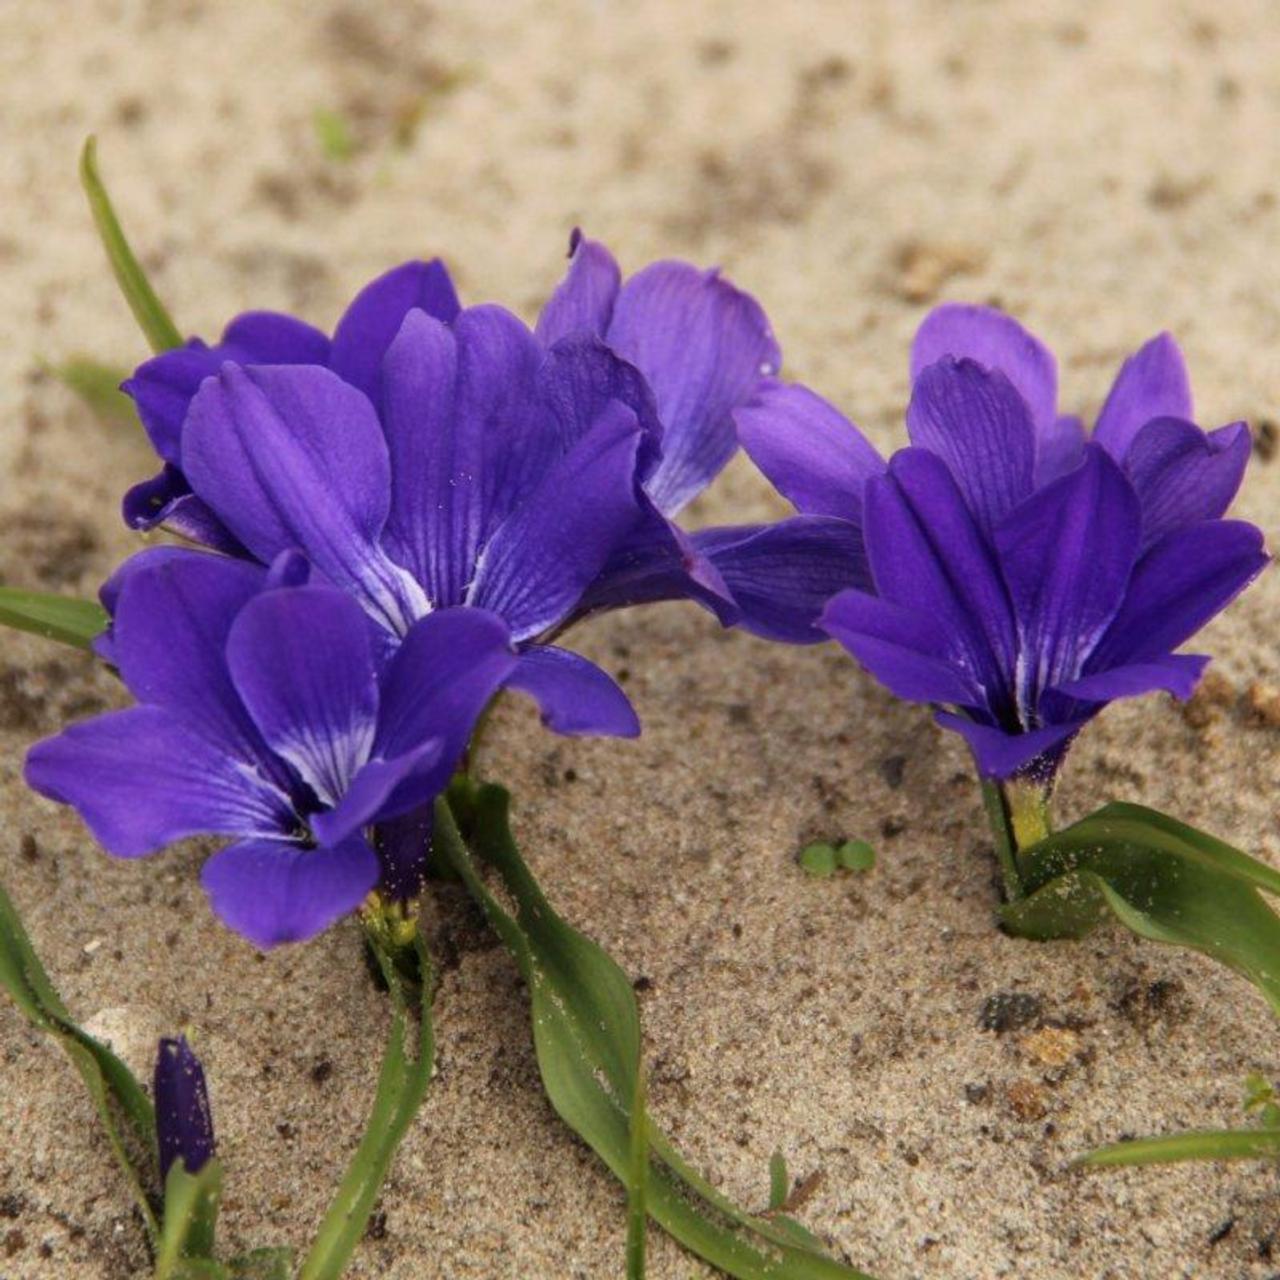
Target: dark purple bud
[{"x": 184, "y": 1124}]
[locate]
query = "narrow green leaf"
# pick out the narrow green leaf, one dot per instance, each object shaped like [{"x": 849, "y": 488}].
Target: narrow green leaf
[
  {"x": 98, "y": 385},
  {"x": 61, "y": 618},
  {"x": 586, "y": 1035},
  {"x": 108, "y": 1080},
  {"x": 779, "y": 1181},
  {"x": 1206, "y": 1144},
  {"x": 638, "y": 1182},
  {"x": 402, "y": 1083},
  {"x": 1163, "y": 880},
  {"x": 190, "y": 1217},
  {"x": 148, "y": 310},
  {"x": 202, "y": 1269}
]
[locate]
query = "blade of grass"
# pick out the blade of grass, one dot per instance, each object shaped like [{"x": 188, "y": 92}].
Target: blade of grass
[
  {"x": 1198, "y": 1144},
  {"x": 62, "y": 618},
  {"x": 638, "y": 1182},
  {"x": 148, "y": 310}
]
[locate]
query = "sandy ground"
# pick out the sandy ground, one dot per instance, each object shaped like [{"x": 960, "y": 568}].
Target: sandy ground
[{"x": 1103, "y": 170}]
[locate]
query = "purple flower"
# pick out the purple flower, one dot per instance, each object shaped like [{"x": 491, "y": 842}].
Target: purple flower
[
  {"x": 184, "y": 1123},
  {"x": 268, "y": 713},
  {"x": 1016, "y": 573},
  {"x": 677, "y": 347},
  {"x": 163, "y": 387}
]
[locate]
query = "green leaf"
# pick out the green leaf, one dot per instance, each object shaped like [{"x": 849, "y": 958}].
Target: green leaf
[
  {"x": 190, "y": 1217},
  {"x": 98, "y": 385},
  {"x": 638, "y": 1183},
  {"x": 1258, "y": 1091},
  {"x": 1160, "y": 878},
  {"x": 1206, "y": 1144},
  {"x": 402, "y": 1083},
  {"x": 818, "y": 859},
  {"x": 110, "y": 1084},
  {"x": 779, "y": 1181},
  {"x": 148, "y": 310},
  {"x": 62, "y": 618},
  {"x": 586, "y": 1033},
  {"x": 856, "y": 855}
]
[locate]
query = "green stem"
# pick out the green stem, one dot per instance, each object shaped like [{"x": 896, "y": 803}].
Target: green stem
[
  {"x": 401, "y": 1085},
  {"x": 998, "y": 816}
]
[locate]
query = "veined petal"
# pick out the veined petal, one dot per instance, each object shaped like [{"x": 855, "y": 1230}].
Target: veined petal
[
  {"x": 1000, "y": 754},
  {"x": 926, "y": 553},
  {"x": 1175, "y": 673},
  {"x": 995, "y": 341},
  {"x": 1184, "y": 580},
  {"x": 302, "y": 661},
  {"x": 1152, "y": 383},
  {"x": 442, "y": 677},
  {"x": 703, "y": 347},
  {"x": 370, "y": 796},
  {"x": 908, "y": 652},
  {"x": 656, "y": 561},
  {"x": 575, "y": 696},
  {"x": 811, "y": 453},
  {"x": 141, "y": 779},
  {"x": 1059, "y": 449},
  {"x": 1066, "y": 555},
  {"x": 373, "y": 319},
  {"x": 270, "y": 337},
  {"x": 1183, "y": 475},
  {"x": 583, "y": 301},
  {"x": 974, "y": 419},
  {"x": 541, "y": 560},
  {"x": 162, "y": 388},
  {"x": 166, "y": 500},
  {"x": 292, "y": 457},
  {"x": 782, "y": 575},
  {"x": 172, "y": 620},
  {"x": 272, "y": 891}
]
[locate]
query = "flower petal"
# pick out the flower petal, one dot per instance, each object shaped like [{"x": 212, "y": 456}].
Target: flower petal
[
  {"x": 302, "y": 660},
  {"x": 1060, "y": 449},
  {"x": 703, "y": 347},
  {"x": 162, "y": 388},
  {"x": 1066, "y": 555},
  {"x": 1152, "y": 383},
  {"x": 1175, "y": 673},
  {"x": 166, "y": 500},
  {"x": 908, "y": 652},
  {"x": 995, "y": 341},
  {"x": 782, "y": 575},
  {"x": 172, "y": 620},
  {"x": 541, "y": 560},
  {"x": 975, "y": 420},
  {"x": 271, "y": 891},
  {"x": 575, "y": 696},
  {"x": 441, "y": 679},
  {"x": 1184, "y": 580},
  {"x": 1000, "y": 754},
  {"x": 141, "y": 779},
  {"x": 1183, "y": 475},
  {"x": 927, "y": 553},
  {"x": 369, "y": 795},
  {"x": 656, "y": 561},
  {"x": 583, "y": 301},
  {"x": 270, "y": 337},
  {"x": 292, "y": 457},
  {"x": 811, "y": 453},
  {"x": 374, "y": 318},
  {"x": 403, "y": 845}
]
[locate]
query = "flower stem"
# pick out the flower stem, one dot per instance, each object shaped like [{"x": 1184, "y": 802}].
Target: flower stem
[
  {"x": 1018, "y": 812},
  {"x": 402, "y": 1083},
  {"x": 998, "y": 816}
]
